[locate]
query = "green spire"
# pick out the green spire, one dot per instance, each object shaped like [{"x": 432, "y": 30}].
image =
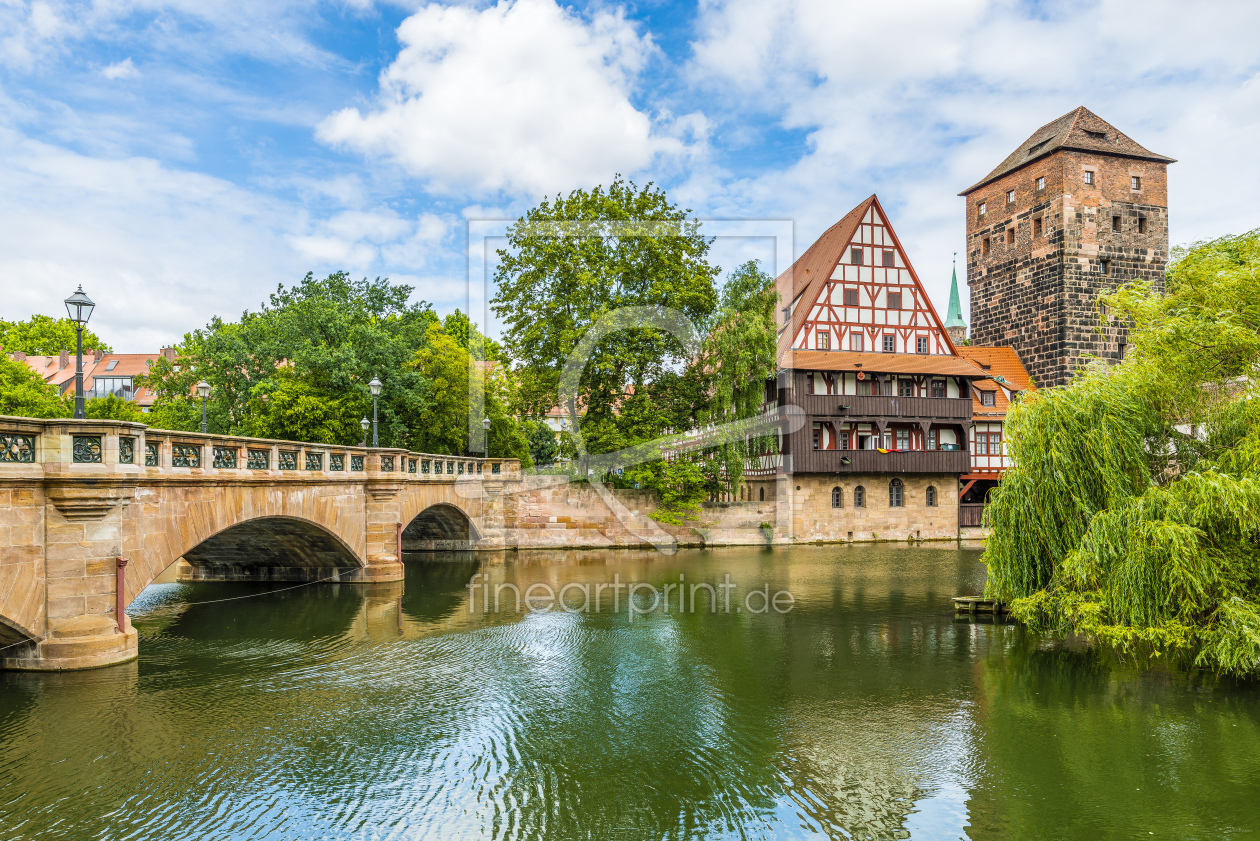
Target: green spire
[{"x": 954, "y": 317}]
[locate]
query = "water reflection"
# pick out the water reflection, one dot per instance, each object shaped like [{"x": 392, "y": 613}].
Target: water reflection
[{"x": 395, "y": 711}]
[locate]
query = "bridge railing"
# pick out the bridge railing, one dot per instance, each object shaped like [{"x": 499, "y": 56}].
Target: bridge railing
[{"x": 63, "y": 447}]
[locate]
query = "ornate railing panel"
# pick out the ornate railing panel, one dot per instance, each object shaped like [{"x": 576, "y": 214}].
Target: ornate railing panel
[
  {"x": 258, "y": 459},
  {"x": 126, "y": 450},
  {"x": 225, "y": 458},
  {"x": 185, "y": 455},
  {"x": 337, "y": 462},
  {"x": 314, "y": 461},
  {"x": 151, "y": 455},
  {"x": 288, "y": 460},
  {"x": 19, "y": 449},
  {"x": 87, "y": 449},
  {"x": 356, "y": 462}
]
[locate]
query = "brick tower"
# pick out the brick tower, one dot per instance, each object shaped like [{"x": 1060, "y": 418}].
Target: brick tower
[{"x": 1077, "y": 209}]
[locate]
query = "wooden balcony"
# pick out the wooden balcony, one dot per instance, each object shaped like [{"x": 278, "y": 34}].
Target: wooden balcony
[
  {"x": 873, "y": 461},
  {"x": 910, "y": 408}
]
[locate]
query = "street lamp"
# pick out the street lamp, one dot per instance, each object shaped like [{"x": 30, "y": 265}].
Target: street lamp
[
  {"x": 365, "y": 423},
  {"x": 203, "y": 391},
  {"x": 80, "y": 307},
  {"x": 485, "y": 424},
  {"x": 375, "y": 387}
]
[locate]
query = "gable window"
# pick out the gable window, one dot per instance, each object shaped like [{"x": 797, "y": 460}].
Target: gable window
[
  {"x": 1141, "y": 224},
  {"x": 1115, "y": 223},
  {"x": 894, "y": 300},
  {"x": 1041, "y": 183},
  {"x": 823, "y": 340},
  {"x": 1089, "y": 176},
  {"x": 837, "y": 498},
  {"x": 856, "y": 343},
  {"x": 850, "y": 297},
  {"x": 1037, "y": 227},
  {"x": 859, "y": 497},
  {"x": 896, "y": 494},
  {"x": 980, "y": 209},
  {"x": 1010, "y": 196},
  {"x": 931, "y": 439},
  {"x": 905, "y": 388},
  {"x": 930, "y": 496},
  {"x": 921, "y": 344},
  {"x": 984, "y": 246},
  {"x": 890, "y": 259},
  {"x": 988, "y": 398},
  {"x": 855, "y": 256},
  {"x": 890, "y": 343},
  {"x": 1135, "y": 182},
  {"x": 1010, "y": 236},
  {"x": 938, "y": 388}
]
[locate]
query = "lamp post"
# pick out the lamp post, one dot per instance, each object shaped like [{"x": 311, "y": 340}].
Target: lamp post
[
  {"x": 485, "y": 446},
  {"x": 80, "y": 307},
  {"x": 375, "y": 387},
  {"x": 365, "y": 423},
  {"x": 203, "y": 390}
]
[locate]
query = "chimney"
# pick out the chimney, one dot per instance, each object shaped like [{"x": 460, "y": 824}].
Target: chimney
[
  {"x": 169, "y": 353},
  {"x": 19, "y": 356},
  {"x": 65, "y": 358}
]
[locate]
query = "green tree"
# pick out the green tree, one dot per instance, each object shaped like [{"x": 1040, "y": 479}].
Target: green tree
[
  {"x": 25, "y": 394},
  {"x": 543, "y": 447},
  {"x": 461, "y": 328},
  {"x": 113, "y": 407},
  {"x": 298, "y": 410},
  {"x": 1133, "y": 509},
  {"x": 574, "y": 259},
  {"x": 41, "y": 335}
]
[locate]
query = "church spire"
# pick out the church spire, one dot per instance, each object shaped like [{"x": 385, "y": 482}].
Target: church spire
[{"x": 954, "y": 324}]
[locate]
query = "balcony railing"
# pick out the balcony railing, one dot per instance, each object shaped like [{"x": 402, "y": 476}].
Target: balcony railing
[
  {"x": 927, "y": 408},
  {"x": 873, "y": 461}
]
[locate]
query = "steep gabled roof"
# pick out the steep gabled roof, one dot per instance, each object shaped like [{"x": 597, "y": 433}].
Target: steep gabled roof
[
  {"x": 1078, "y": 130},
  {"x": 806, "y": 276}
]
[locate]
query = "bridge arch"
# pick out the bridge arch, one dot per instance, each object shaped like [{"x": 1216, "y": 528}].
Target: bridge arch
[{"x": 441, "y": 526}]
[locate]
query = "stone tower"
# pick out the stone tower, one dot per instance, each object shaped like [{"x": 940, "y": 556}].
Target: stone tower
[
  {"x": 954, "y": 324},
  {"x": 1077, "y": 209}
]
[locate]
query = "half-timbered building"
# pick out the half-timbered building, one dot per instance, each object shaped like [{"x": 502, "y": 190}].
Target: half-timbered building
[{"x": 887, "y": 399}]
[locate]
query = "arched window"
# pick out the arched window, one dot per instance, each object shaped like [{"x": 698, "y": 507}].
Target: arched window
[
  {"x": 761, "y": 492},
  {"x": 859, "y": 497},
  {"x": 837, "y": 498},
  {"x": 896, "y": 494},
  {"x": 931, "y": 496}
]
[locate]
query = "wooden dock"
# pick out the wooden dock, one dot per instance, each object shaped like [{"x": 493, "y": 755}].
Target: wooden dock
[{"x": 977, "y": 604}]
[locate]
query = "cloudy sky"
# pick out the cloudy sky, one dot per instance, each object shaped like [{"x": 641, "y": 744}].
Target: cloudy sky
[{"x": 180, "y": 158}]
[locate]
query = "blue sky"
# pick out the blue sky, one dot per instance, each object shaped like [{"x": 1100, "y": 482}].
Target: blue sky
[{"x": 180, "y": 159}]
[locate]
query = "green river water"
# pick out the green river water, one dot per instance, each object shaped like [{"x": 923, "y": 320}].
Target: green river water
[{"x": 867, "y": 711}]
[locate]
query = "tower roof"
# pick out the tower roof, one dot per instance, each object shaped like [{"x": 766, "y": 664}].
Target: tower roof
[
  {"x": 954, "y": 318},
  {"x": 1081, "y": 130}
]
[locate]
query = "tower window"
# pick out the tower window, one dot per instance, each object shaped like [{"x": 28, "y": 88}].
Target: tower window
[
  {"x": 1037, "y": 227},
  {"x": 1010, "y": 196},
  {"x": 1010, "y": 236},
  {"x": 1041, "y": 182},
  {"x": 980, "y": 208},
  {"x": 855, "y": 256},
  {"x": 890, "y": 259},
  {"x": 921, "y": 344},
  {"x": 837, "y": 498},
  {"x": 890, "y": 343},
  {"x": 1089, "y": 177},
  {"x": 1135, "y": 182},
  {"x": 984, "y": 246},
  {"x": 896, "y": 494},
  {"x": 930, "y": 496},
  {"x": 1141, "y": 224},
  {"x": 850, "y": 297},
  {"x": 1115, "y": 223},
  {"x": 1104, "y": 266},
  {"x": 856, "y": 343},
  {"x": 894, "y": 300},
  {"x": 823, "y": 340}
]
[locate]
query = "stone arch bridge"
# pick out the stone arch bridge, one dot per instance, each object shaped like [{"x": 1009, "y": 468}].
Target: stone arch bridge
[{"x": 92, "y": 511}]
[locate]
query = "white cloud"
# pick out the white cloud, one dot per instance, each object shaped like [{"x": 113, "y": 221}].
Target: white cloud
[
  {"x": 523, "y": 97},
  {"x": 918, "y": 100},
  {"x": 121, "y": 70}
]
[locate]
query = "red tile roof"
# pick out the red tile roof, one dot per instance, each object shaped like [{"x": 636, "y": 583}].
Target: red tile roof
[
  {"x": 881, "y": 363},
  {"x": 996, "y": 362}
]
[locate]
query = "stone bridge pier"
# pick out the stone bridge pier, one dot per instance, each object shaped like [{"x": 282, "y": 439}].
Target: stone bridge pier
[{"x": 92, "y": 511}]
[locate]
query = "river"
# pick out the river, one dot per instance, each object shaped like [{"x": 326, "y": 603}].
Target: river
[{"x": 857, "y": 707}]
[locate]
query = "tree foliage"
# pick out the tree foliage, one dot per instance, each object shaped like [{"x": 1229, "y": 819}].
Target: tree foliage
[
  {"x": 42, "y": 335},
  {"x": 25, "y": 394},
  {"x": 112, "y": 407},
  {"x": 1132, "y": 514}
]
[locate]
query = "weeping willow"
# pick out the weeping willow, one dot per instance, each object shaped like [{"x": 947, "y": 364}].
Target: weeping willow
[{"x": 1132, "y": 515}]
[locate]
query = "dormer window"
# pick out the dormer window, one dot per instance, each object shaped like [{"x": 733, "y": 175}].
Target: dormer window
[
  {"x": 1096, "y": 135},
  {"x": 988, "y": 398}
]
